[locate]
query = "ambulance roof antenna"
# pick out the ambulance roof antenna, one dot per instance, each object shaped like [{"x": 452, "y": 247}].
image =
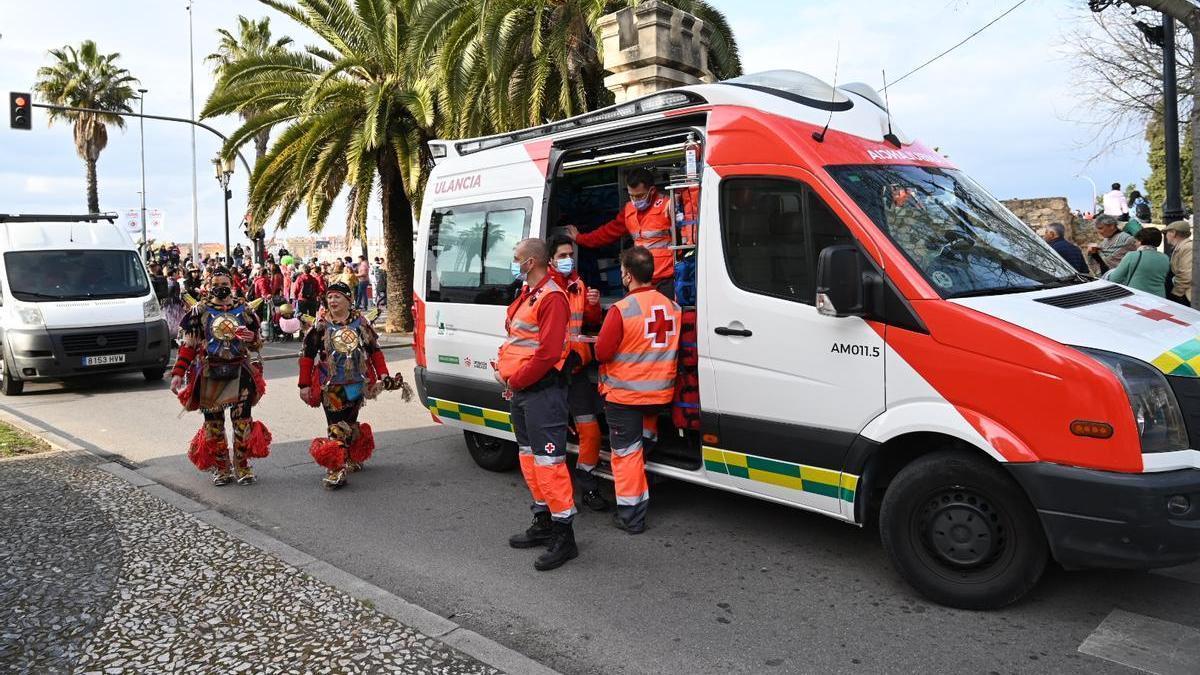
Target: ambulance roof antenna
[
  {"x": 819, "y": 136},
  {"x": 890, "y": 137}
]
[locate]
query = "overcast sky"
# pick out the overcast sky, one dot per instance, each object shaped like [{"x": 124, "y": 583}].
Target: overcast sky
[{"x": 1002, "y": 106}]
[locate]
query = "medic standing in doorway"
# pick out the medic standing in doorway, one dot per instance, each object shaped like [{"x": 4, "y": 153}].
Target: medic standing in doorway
[
  {"x": 646, "y": 217},
  {"x": 638, "y": 350},
  {"x": 530, "y": 366},
  {"x": 582, "y": 397}
]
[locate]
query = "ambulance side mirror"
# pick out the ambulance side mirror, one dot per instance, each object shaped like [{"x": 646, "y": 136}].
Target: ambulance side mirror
[{"x": 840, "y": 282}]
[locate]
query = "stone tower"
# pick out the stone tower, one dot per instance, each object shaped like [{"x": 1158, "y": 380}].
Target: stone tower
[{"x": 652, "y": 47}]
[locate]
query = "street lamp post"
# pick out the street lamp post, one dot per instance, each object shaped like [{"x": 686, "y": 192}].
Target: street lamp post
[
  {"x": 192, "y": 89},
  {"x": 1173, "y": 202},
  {"x": 1092, "y": 210},
  {"x": 224, "y": 170},
  {"x": 142, "y": 142}
]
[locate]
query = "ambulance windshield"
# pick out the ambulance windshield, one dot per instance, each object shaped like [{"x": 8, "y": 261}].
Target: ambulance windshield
[{"x": 962, "y": 240}]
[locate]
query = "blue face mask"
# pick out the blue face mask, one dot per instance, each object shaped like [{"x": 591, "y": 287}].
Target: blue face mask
[
  {"x": 641, "y": 204},
  {"x": 565, "y": 265},
  {"x": 516, "y": 271}
]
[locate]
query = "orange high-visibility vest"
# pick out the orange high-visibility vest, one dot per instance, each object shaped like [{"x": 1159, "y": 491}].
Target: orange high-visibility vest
[
  {"x": 642, "y": 372},
  {"x": 652, "y": 229},
  {"x": 524, "y": 333},
  {"x": 577, "y": 300},
  {"x": 690, "y": 208}
]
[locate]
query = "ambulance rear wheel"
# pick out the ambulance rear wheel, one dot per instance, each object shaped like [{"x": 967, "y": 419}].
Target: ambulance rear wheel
[
  {"x": 491, "y": 453},
  {"x": 961, "y": 532}
]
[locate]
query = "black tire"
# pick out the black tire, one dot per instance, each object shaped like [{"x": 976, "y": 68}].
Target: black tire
[
  {"x": 491, "y": 453},
  {"x": 962, "y": 532},
  {"x": 8, "y": 385},
  {"x": 153, "y": 374}
]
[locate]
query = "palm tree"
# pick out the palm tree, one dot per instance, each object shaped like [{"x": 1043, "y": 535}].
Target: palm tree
[
  {"x": 253, "y": 39},
  {"x": 85, "y": 78},
  {"x": 354, "y": 120},
  {"x": 506, "y": 64}
]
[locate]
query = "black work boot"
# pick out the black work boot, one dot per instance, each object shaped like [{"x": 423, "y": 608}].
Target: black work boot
[
  {"x": 595, "y": 501},
  {"x": 562, "y": 548},
  {"x": 538, "y": 534}
]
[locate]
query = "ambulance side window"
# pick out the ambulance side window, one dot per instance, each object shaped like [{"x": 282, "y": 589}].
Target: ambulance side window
[
  {"x": 773, "y": 231},
  {"x": 471, "y": 248}
]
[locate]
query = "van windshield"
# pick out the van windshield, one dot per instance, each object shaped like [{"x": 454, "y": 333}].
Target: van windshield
[
  {"x": 962, "y": 240},
  {"x": 47, "y": 276}
]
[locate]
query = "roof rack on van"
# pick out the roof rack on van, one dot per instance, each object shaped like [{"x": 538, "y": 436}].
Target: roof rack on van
[
  {"x": 667, "y": 100},
  {"x": 57, "y": 218}
]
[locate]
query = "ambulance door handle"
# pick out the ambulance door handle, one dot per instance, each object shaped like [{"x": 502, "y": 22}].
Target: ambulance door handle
[{"x": 733, "y": 332}]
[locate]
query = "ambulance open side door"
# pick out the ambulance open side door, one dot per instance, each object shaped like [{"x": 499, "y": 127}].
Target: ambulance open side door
[{"x": 785, "y": 390}]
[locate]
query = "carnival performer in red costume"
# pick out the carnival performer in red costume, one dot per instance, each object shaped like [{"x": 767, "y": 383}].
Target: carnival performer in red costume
[
  {"x": 340, "y": 367},
  {"x": 215, "y": 373}
]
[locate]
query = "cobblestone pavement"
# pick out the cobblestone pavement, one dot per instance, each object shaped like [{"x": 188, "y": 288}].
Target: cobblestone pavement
[{"x": 98, "y": 576}]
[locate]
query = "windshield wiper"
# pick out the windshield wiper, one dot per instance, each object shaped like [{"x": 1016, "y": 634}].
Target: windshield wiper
[
  {"x": 34, "y": 294},
  {"x": 1001, "y": 290}
]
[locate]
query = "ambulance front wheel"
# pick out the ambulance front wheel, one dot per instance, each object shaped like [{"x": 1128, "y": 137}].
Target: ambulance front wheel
[
  {"x": 962, "y": 532},
  {"x": 491, "y": 453}
]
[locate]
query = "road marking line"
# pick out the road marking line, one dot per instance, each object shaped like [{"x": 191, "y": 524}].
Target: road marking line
[
  {"x": 1145, "y": 643},
  {"x": 1189, "y": 572}
]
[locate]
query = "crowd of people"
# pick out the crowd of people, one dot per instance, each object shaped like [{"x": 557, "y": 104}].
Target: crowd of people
[
  {"x": 1131, "y": 251},
  {"x": 289, "y": 286}
]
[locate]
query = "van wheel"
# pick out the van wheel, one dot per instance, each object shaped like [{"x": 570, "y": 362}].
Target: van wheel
[
  {"x": 153, "y": 374},
  {"x": 491, "y": 453},
  {"x": 962, "y": 532},
  {"x": 8, "y": 385}
]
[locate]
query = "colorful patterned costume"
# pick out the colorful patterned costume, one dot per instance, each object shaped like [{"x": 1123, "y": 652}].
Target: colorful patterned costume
[
  {"x": 219, "y": 375},
  {"x": 340, "y": 365}
]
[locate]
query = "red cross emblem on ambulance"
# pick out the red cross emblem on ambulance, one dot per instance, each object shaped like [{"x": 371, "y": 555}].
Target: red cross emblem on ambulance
[{"x": 660, "y": 326}]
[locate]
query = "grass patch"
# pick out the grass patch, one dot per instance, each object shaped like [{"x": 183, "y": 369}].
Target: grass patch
[{"x": 14, "y": 442}]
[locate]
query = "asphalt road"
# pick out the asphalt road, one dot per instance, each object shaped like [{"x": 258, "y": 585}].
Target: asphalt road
[{"x": 718, "y": 584}]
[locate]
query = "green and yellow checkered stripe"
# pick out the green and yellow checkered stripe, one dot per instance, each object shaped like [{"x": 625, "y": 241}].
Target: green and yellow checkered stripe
[
  {"x": 1183, "y": 360},
  {"x": 484, "y": 417},
  {"x": 809, "y": 479}
]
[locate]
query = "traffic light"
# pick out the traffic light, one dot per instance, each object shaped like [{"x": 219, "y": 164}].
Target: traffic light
[{"x": 20, "y": 106}]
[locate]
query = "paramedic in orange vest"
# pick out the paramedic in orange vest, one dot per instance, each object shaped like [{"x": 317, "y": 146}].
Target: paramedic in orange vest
[
  {"x": 530, "y": 367},
  {"x": 582, "y": 398},
  {"x": 637, "y": 349},
  {"x": 647, "y": 218}
]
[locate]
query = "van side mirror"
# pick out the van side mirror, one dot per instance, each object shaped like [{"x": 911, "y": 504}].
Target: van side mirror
[{"x": 840, "y": 281}]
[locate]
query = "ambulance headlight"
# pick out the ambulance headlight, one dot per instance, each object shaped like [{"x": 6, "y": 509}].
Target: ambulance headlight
[
  {"x": 1159, "y": 418},
  {"x": 151, "y": 309}
]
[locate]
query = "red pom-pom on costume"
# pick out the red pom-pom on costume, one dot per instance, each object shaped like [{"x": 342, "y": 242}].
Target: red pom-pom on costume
[
  {"x": 328, "y": 453},
  {"x": 203, "y": 451},
  {"x": 364, "y": 445},
  {"x": 258, "y": 441},
  {"x": 260, "y": 383}
]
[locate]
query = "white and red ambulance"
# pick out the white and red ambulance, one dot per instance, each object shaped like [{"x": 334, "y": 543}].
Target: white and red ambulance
[{"x": 878, "y": 338}]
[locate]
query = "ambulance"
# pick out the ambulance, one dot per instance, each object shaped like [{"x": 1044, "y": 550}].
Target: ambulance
[{"x": 877, "y": 338}]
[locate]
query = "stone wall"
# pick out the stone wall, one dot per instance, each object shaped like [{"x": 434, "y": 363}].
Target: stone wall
[{"x": 1045, "y": 210}]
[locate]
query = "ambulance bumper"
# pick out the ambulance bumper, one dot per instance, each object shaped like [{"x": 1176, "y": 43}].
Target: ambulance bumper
[{"x": 1102, "y": 519}]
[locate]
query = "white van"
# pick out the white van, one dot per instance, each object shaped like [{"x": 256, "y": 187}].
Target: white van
[
  {"x": 879, "y": 339},
  {"x": 75, "y": 301}
]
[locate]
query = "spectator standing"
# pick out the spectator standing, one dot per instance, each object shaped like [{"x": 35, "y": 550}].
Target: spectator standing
[
  {"x": 1139, "y": 208},
  {"x": 363, "y": 282},
  {"x": 1179, "y": 236},
  {"x": 380, "y": 283},
  {"x": 238, "y": 254},
  {"x": 308, "y": 290},
  {"x": 1114, "y": 246},
  {"x": 1145, "y": 269},
  {"x": 1115, "y": 204},
  {"x": 1054, "y": 234},
  {"x": 158, "y": 281}
]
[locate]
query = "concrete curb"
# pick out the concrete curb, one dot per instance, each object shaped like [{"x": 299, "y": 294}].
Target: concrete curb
[
  {"x": 416, "y": 617},
  {"x": 280, "y": 357}
]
